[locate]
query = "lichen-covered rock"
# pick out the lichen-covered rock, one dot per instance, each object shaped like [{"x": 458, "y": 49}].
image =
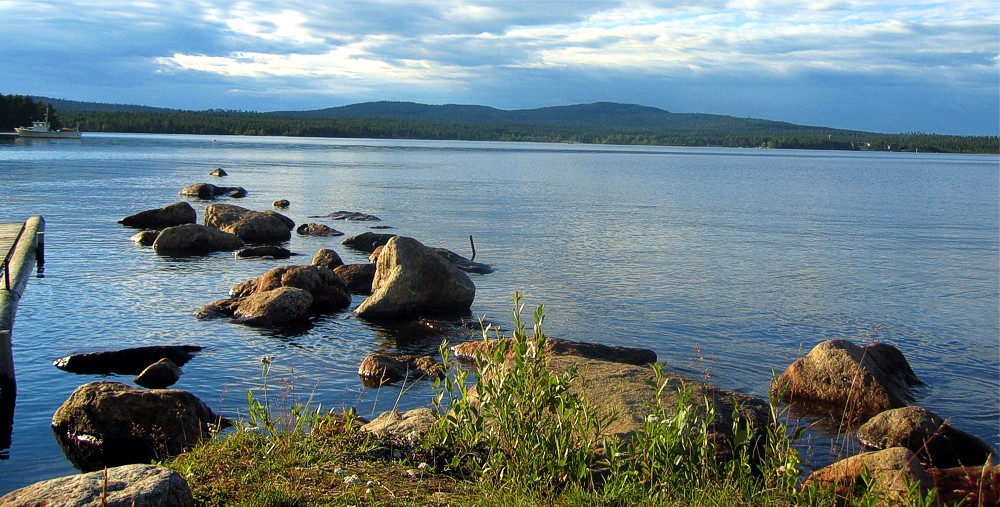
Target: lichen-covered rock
[
  {"x": 194, "y": 239},
  {"x": 934, "y": 441},
  {"x": 412, "y": 280},
  {"x": 312, "y": 229},
  {"x": 250, "y": 226},
  {"x": 400, "y": 426},
  {"x": 888, "y": 472},
  {"x": 124, "y": 486},
  {"x": 276, "y": 307},
  {"x": 328, "y": 290},
  {"x": 105, "y": 424},
  {"x": 848, "y": 382},
  {"x": 168, "y": 216}
]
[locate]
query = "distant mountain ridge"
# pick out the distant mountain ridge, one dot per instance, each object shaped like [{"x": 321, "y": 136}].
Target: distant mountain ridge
[{"x": 604, "y": 115}]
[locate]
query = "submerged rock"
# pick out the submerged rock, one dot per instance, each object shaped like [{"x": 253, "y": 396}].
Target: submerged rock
[
  {"x": 209, "y": 191},
  {"x": 281, "y": 203},
  {"x": 219, "y": 172},
  {"x": 272, "y": 251},
  {"x": 317, "y": 230},
  {"x": 367, "y": 241},
  {"x": 352, "y": 216}
]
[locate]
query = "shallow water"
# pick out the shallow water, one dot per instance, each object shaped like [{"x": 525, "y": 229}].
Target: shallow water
[{"x": 728, "y": 263}]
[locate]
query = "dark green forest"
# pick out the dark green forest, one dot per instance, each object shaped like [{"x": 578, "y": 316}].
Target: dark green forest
[{"x": 599, "y": 123}]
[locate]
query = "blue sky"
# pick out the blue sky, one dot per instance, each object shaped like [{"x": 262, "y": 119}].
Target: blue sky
[{"x": 878, "y": 65}]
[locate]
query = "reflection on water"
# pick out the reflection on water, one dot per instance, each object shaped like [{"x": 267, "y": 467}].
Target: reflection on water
[{"x": 727, "y": 263}]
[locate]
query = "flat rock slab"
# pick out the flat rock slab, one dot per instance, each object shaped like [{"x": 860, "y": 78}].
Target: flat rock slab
[
  {"x": 130, "y": 361},
  {"x": 124, "y": 486}
]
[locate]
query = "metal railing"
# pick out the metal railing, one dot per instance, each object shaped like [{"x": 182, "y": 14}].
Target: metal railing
[{"x": 6, "y": 258}]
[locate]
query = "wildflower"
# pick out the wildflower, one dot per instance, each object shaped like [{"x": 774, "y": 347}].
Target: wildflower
[
  {"x": 652, "y": 419},
  {"x": 352, "y": 480},
  {"x": 266, "y": 360},
  {"x": 423, "y": 466}
]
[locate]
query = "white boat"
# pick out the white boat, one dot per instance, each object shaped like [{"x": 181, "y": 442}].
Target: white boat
[{"x": 41, "y": 128}]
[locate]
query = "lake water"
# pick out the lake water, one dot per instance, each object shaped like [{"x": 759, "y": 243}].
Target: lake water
[{"x": 728, "y": 263}]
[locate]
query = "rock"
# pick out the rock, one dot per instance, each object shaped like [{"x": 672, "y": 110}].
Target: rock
[
  {"x": 328, "y": 290},
  {"x": 145, "y": 238},
  {"x": 287, "y": 221},
  {"x": 276, "y": 307},
  {"x": 380, "y": 227},
  {"x": 209, "y": 191},
  {"x": 888, "y": 472},
  {"x": 934, "y": 441},
  {"x": 194, "y": 239},
  {"x": 217, "y": 309},
  {"x": 272, "y": 251},
  {"x": 358, "y": 277},
  {"x": 168, "y": 216},
  {"x": 106, "y": 424},
  {"x": 159, "y": 375},
  {"x": 218, "y": 172},
  {"x": 464, "y": 264},
  {"x": 399, "y": 426},
  {"x": 281, "y": 203},
  {"x": 249, "y": 226},
  {"x": 848, "y": 382},
  {"x": 317, "y": 230},
  {"x": 353, "y": 216},
  {"x": 380, "y": 368},
  {"x": 483, "y": 349},
  {"x": 411, "y": 280},
  {"x": 367, "y": 241},
  {"x": 131, "y": 361},
  {"x": 327, "y": 258},
  {"x": 124, "y": 486},
  {"x": 967, "y": 485}
]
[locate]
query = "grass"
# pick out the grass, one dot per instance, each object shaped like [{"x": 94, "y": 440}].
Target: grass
[{"x": 518, "y": 437}]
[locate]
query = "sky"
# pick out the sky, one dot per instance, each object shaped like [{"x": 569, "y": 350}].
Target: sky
[{"x": 873, "y": 65}]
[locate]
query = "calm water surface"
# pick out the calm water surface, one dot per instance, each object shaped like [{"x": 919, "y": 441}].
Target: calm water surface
[{"x": 728, "y": 263}]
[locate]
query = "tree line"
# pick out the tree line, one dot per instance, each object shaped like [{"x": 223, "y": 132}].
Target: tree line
[{"x": 16, "y": 111}]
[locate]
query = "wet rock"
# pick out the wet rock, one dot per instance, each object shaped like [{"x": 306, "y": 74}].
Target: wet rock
[
  {"x": 131, "y": 361},
  {"x": 967, "y": 485},
  {"x": 380, "y": 227},
  {"x": 107, "y": 424},
  {"x": 272, "y": 251},
  {"x": 352, "y": 216},
  {"x": 380, "y": 368},
  {"x": 464, "y": 264},
  {"x": 250, "y": 226},
  {"x": 219, "y": 172},
  {"x": 358, "y": 277},
  {"x": 281, "y": 204},
  {"x": 934, "y": 441},
  {"x": 276, "y": 307},
  {"x": 888, "y": 472},
  {"x": 145, "y": 238},
  {"x": 327, "y": 258},
  {"x": 287, "y": 221},
  {"x": 317, "y": 230},
  {"x": 328, "y": 290},
  {"x": 411, "y": 280},
  {"x": 194, "y": 239},
  {"x": 208, "y": 191},
  {"x": 484, "y": 349},
  {"x": 124, "y": 486},
  {"x": 168, "y": 216},
  {"x": 159, "y": 375},
  {"x": 848, "y": 382},
  {"x": 367, "y": 241},
  {"x": 217, "y": 309}
]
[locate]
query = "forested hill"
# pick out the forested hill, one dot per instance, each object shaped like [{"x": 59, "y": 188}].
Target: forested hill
[{"x": 597, "y": 123}]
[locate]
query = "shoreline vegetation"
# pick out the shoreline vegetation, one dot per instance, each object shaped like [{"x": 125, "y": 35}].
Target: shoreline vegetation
[
  {"x": 520, "y": 433},
  {"x": 598, "y": 123}
]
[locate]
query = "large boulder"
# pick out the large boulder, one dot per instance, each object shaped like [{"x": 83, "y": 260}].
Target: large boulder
[
  {"x": 105, "y": 424},
  {"x": 412, "y": 280},
  {"x": 276, "y": 307},
  {"x": 194, "y": 239},
  {"x": 167, "y": 216},
  {"x": 328, "y": 290},
  {"x": 124, "y": 486},
  {"x": 931, "y": 438},
  {"x": 327, "y": 258},
  {"x": 210, "y": 191},
  {"x": 888, "y": 473},
  {"x": 130, "y": 361},
  {"x": 847, "y": 382},
  {"x": 358, "y": 277},
  {"x": 250, "y": 226}
]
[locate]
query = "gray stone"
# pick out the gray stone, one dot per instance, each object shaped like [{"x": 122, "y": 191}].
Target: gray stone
[{"x": 124, "y": 486}]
